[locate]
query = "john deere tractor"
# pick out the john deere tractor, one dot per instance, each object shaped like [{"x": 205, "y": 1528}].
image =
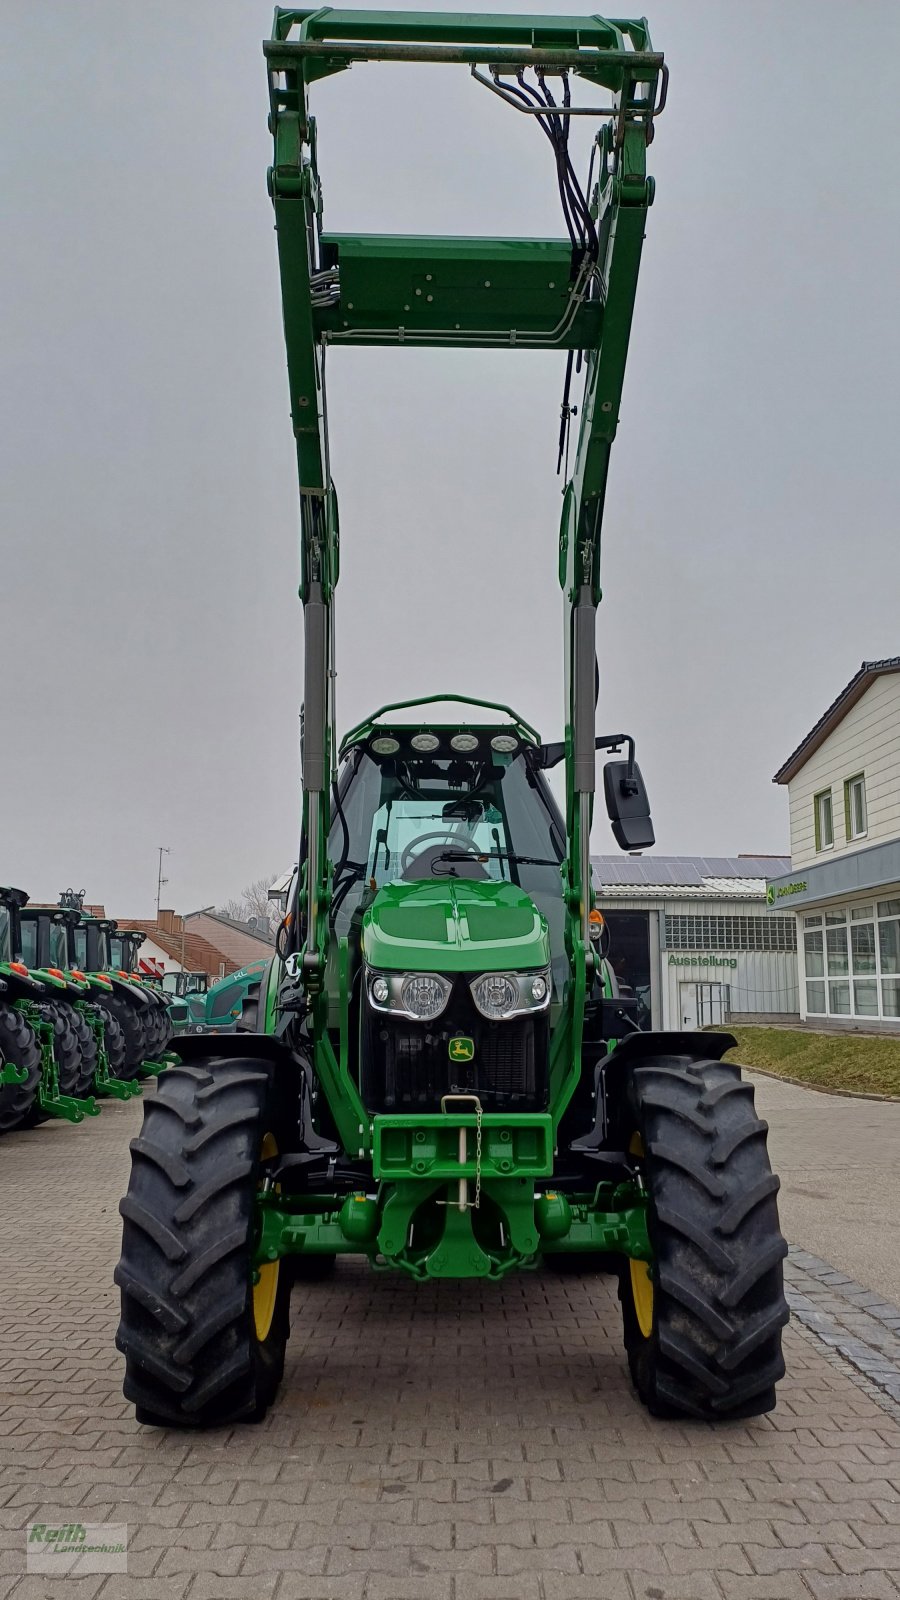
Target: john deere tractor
[
  {"x": 124, "y": 945},
  {"x": 122, "y": 999},
  {"x": 46, "y": 935},
  {"x": 48, "y": 1041},
  {"x": 443, "y": 1077}
]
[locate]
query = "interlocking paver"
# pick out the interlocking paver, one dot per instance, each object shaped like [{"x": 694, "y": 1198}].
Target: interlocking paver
[{"x": 452, "y": 1442}]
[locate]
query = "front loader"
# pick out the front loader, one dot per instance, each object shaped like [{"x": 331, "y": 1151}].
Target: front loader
[{"x": 444, "y": 1078}]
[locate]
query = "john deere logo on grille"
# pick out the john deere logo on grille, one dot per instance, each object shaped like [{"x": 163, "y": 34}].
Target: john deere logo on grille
[{"x": 462, "y": 1049}]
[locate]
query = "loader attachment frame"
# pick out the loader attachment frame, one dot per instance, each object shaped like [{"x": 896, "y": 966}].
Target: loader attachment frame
[{"x": 575, "y": 294}]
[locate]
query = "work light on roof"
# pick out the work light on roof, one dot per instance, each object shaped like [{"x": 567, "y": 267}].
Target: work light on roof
[{"x": 464, "y": 742}]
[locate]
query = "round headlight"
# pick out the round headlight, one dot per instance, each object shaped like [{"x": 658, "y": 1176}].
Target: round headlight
[
  {"x": 385, "y": 746},
  {"x": 425, "y": 741},
  {"x": 495, "y": 994},
  {"x": 504, "y": 744},
  {"x": 538, "y": 988},
  {"x": 380, "y": 990},
  {"x": 423, "y": 995},
  {"x": 464, "y": 742}
]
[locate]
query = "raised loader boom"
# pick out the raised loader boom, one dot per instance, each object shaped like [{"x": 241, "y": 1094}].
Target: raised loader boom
[{"x": 575, "y": 294}]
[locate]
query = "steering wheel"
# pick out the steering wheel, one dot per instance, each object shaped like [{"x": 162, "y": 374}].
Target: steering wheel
[{"x": 414, "y": 851}]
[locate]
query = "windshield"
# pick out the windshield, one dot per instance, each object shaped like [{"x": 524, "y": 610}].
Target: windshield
[
  {"x": 81, "y": 946},
  {"x": 5, "y": 934},
  {"x": 28, "y": 938},
  {"x": 406, "y": 821},
  {"x": 103, "y": 960},
  {"x": 59, "y": 947},
  {"x": 170, "y": 982}
]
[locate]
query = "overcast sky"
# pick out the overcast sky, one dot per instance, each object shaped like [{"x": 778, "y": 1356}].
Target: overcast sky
[{"x": 151, "y": 635}]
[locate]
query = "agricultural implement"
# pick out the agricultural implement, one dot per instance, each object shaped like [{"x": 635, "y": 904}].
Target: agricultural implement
[{"x": 443, "y": 1077}]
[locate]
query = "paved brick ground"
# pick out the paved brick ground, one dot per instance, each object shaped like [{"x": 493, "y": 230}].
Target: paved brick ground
[{"x": 455, "y": 1443}]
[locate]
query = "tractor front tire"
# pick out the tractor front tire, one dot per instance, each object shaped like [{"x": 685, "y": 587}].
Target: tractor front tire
[
  {"x": 19, "y": 1045},
  {"x": 203, "y": 1342},
  {"x": 703, "y": 1323}
]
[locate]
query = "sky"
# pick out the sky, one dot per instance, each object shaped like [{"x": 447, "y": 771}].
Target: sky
[{"x": 150, "y": 633}]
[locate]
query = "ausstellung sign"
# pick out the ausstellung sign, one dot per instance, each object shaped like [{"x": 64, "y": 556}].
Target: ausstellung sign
[{"x": 702, "y": 961}]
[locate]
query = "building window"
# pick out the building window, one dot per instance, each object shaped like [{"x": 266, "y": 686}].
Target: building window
[
  {"x": 851, "y": 958},
  {"x": 730, "y": 933},
  {"x": 855, "y": 817},
  {"x": 824, "y": 820},
  {"x": 815, "y": 998}
]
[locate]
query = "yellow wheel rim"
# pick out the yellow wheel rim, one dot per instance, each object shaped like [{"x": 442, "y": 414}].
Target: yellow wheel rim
[
  {"x": 641, "y": 1281},
  {"x": 265, "y": 1289}
]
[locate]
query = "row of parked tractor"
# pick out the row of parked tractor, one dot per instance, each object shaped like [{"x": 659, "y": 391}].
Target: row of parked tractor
[{"x": 79, "y": 1021}]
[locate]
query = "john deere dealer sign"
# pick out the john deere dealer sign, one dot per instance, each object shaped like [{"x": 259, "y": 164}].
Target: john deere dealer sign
[{"x": 691, "y": 960}]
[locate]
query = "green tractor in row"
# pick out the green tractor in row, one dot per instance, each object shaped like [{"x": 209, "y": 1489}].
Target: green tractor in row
[
  {"x": 186, "y": 994},
  {"x": 442, "y": 1076},
  {"x": 52, "y": 1038},
  {"x": 95, "y": 947}
]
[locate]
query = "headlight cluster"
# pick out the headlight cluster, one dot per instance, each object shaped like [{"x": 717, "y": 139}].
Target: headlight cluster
[{"x": 422, "y": 996}]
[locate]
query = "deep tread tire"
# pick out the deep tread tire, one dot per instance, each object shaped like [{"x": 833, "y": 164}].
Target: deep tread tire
[
  {"x": 66, "y": 1045},
  {"x": 114, "y": 1040},
  {"x": 714, "y": 1350},
  {"x": 87, "y": 1048},
  {"x": 187, "y": 1331},
  {"x": 19, "y": 1044},
  {"x": 131, "y": 1024}
]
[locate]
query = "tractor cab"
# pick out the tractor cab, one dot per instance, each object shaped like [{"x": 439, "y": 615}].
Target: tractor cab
[{"x": 448, "y": 899}]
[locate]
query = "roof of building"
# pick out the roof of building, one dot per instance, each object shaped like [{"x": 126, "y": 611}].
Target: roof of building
[
  {"x": 687, "y": 877},
  {"x": 851, "y": 692},
  {"x": 193, "y": 952},
  {"x": 254, "y": 929}
]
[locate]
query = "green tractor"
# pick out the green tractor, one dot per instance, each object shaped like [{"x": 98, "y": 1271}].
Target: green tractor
[
  {"x": 89, "y": 952},
  {"x": 186, "y": 994},
  {"x": 443, "y": 1078},
  {"x": 124, "y": 945},
  {"x": 50, "y": 1039}
]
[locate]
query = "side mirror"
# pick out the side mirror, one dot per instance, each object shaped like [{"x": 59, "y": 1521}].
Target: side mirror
[{"x": 628, "y": 805}]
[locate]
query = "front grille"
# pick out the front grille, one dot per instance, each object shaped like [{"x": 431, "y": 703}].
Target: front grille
[{"x": 406, "y": 1066}]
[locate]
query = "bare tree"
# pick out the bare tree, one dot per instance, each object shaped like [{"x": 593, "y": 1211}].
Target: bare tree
[{"x": 254, "y": 902}]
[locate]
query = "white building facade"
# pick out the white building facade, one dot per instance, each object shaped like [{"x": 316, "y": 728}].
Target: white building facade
[
  {"x": 843, "y": 783},
  {"x": 694, "y": 941}
]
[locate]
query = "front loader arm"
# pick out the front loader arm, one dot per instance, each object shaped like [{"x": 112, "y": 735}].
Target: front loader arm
[{"x": 510, "y": 293}]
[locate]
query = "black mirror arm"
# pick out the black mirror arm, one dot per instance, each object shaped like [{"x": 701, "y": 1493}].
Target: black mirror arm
[{"x": 612, "y": 741}]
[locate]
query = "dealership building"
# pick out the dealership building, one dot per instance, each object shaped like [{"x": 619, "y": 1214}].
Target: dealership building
[
  {"x": 693, "y": 938},
  {"x": 843, "y": 884}
]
